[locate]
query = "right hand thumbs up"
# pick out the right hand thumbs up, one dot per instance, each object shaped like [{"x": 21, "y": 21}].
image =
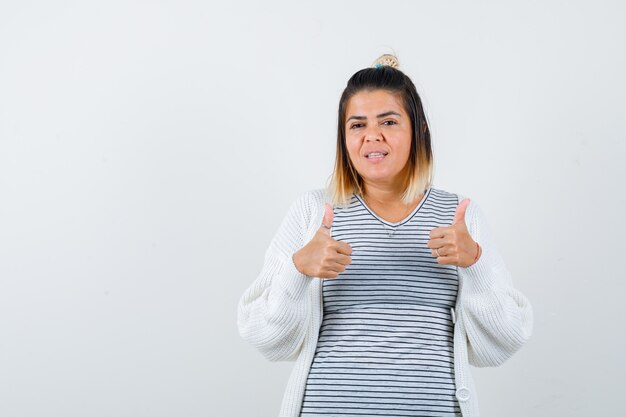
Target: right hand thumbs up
[
  {"x": 328, "y": 219},
  {"x": 323, "y": 256}
]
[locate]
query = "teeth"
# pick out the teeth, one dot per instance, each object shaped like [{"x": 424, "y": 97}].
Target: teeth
[{"x": 375, "y": 154}]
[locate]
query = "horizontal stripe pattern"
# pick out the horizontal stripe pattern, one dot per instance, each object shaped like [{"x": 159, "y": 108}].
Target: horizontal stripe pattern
[{"x": 385, "y": 345}]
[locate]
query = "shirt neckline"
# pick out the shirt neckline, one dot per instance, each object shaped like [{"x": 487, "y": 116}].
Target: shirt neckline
[{"x": 401, "y": 222}]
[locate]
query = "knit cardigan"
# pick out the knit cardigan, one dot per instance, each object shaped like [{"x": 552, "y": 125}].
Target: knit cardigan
[{"x": 281, "y": 312}]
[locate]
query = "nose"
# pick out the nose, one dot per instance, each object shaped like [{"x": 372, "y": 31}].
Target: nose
[{"x": 373, "y": 135}]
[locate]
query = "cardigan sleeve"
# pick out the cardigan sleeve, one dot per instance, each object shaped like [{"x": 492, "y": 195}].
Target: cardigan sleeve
[
  {"x": 497, "y": 317},
  {"x": 274, "y": 311}
]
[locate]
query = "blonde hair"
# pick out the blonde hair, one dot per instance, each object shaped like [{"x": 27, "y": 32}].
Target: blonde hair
[{"x": 383, "y": 75}]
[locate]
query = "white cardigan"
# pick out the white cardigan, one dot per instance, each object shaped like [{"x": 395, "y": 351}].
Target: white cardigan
[{"x": 281, "y": 312}]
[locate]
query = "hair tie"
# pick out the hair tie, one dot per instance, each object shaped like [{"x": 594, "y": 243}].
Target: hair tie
[{"x": 386, "y": 60}]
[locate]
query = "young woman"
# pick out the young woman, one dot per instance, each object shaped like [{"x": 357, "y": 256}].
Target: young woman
[{"x": 382, "y": 288}]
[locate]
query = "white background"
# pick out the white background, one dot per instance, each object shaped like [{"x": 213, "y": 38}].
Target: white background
[{"x": 149, "y": 151}]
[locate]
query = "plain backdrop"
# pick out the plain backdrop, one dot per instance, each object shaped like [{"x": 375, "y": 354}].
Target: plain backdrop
[{"x": 150, "y": 149}]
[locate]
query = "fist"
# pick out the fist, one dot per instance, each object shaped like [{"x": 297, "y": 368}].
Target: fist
[
  {"x": 323, "y": 256},
  {"x": 453, "y": 245}
]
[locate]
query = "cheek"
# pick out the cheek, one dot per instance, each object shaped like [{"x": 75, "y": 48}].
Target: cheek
[
  {"x": 406, "y": 148},
  {"x": 353, "y": 150}
]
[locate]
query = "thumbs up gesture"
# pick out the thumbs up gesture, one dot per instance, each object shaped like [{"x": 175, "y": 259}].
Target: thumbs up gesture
[
  {"x": 453, "y": 245},
  {"x": 323, "y": 256}
]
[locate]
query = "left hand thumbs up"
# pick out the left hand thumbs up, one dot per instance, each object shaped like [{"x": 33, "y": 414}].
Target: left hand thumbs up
[
  {"x": 453, "y": 245},
  {"x": 459, "y": 216}
]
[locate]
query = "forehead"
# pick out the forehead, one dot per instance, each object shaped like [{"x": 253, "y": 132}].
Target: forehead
[{"x": 372, "y": 102}]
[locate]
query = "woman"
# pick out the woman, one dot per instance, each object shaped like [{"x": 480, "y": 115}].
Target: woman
[{"x": 385, "y": 296}]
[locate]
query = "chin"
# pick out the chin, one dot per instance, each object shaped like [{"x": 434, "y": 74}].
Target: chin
[{"x": 377, "y": 178}]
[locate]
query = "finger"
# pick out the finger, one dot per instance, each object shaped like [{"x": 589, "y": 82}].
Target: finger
[
  {"x": 327, "y": 221},
  {"x": 342, "y": 259},
  {"x": 437, "y": 242},
  {"x": 336, "y": 267},
  {"x": 439, "y": 252},
  {"x": 459, "y": 215},
  {"x": 438, "y": 232},
  {"x": 328, "y": 274},
  {"x": 332, "y": 270},
  {"x": 343, "y": 247},
  {"x": 447, "y": 260}
]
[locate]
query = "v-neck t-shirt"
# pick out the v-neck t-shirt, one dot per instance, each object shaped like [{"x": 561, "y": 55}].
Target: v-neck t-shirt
[{"x": 385, "y": 345}]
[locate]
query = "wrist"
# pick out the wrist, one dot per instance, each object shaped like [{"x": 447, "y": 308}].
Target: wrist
[
  {"x": 294, "y": 259},
  {"x": 479, "y": 251}
]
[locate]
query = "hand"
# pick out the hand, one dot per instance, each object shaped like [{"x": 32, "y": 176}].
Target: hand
[
  {"x": 323, "y": 256},
  {"x": 453, "y": 244}
]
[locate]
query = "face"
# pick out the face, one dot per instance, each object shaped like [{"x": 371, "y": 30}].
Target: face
[{"x": 377, "y": 122}]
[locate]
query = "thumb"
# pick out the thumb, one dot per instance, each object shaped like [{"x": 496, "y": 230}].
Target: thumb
[
  {"x": 328, "y": 219},
  {"x": 459, "y": 215}
]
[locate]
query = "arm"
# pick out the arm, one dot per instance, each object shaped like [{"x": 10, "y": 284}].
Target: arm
[
  {"x": 273, "y": 312},
  {"x": 498, "y": 318}
]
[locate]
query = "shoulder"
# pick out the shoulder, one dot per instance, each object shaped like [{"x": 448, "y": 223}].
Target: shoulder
[
  {"x": 308, "y": 205},
  {"x": 441, "y": 194},
  {"x": 313, "y": 196},
  {"x": 449, "y": 195},
  {"x": 310, "y": 200},
  {"x": 297, "y": 224}
]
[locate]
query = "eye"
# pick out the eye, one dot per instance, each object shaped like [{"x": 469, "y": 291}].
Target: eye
[
  {"x": 355, "y": 125},
  {"x": 393, "y": 122}
]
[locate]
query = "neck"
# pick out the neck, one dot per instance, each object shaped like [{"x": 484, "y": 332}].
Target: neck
[{"x": 383, "y": 194}]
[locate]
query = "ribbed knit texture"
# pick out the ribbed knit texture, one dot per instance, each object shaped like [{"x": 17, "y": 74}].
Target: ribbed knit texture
[{"x": 281, "y": 312}]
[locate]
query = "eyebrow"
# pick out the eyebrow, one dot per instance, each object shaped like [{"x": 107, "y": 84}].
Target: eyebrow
[{"x": 385, "y": 114}]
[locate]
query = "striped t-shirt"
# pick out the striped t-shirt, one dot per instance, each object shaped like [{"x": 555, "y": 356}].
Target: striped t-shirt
[{"x": 385, "y": 344}]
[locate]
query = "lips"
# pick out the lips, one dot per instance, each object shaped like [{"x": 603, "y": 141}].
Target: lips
[{"x": 376, "y": 154}]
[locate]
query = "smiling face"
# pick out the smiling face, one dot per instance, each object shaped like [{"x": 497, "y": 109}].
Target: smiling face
[{"x": 378, "y": 137}]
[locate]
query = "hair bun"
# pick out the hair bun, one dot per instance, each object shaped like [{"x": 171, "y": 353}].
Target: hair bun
[{"x": 386, "y": 60}]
